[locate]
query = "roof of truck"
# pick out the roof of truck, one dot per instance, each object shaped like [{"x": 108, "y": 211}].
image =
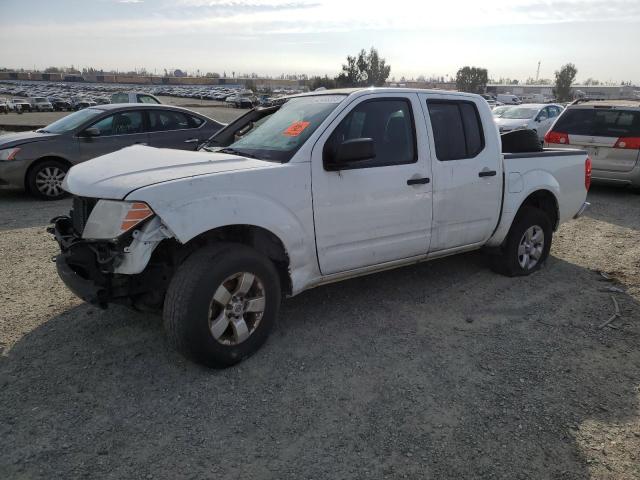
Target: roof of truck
[
  {"x": 607, "y": 103},
  {"x": 351, "y": 91}
]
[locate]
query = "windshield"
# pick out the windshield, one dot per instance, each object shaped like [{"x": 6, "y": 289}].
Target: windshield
[
  {"x": 498, "y": 111},
  {"x": 519, "y": 112},
  {"x": 284, "y": 132},
  {"x": 72, "y": 121}
]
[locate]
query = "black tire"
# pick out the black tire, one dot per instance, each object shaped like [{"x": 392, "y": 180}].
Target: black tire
[
  {"x": 508, "y": 260},
  {"x": 188, "y": 303},
  {"x": 34, "y": 180}
]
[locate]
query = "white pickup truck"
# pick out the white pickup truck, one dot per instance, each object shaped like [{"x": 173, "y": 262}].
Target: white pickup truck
[{"x": 330, "y": 185}]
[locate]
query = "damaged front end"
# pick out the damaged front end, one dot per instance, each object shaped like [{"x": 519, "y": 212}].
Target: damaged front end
[{"x": 114, "y": 270}]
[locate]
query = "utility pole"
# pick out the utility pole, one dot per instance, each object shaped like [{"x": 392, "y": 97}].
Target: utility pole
[{"x": 538, "y": 72}]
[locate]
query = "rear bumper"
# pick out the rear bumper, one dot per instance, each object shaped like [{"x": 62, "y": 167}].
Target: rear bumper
[
  {"x": 580, "y": 212},
  {"x": 632, "y": 177}
]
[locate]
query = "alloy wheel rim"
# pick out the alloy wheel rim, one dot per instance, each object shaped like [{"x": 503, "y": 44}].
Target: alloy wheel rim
[
  {"x": 49, "y": 181},
  {"x": 236, "y": 309},
  {"x": 531, "y": 247}
]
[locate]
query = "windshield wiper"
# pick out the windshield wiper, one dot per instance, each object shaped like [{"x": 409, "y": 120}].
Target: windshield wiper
[
  {"x": 233, "y": 151},
  {"x": 42, "y": 130}
]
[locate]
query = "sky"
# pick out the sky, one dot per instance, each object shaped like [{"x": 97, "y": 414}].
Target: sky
[{"x": 270, "y": 37}]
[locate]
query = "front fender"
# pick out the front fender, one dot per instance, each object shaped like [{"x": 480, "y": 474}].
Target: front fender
[{"x": 197, "y": 205}]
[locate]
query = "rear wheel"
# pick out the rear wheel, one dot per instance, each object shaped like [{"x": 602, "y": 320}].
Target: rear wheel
[
  {"x": 44, "y": 180},
  {"x": 527, "y": 245},
  {"x": 222, "y": 304}
]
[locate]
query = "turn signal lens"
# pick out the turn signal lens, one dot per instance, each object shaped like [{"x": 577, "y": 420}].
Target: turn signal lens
[
  {"x": 138, "y": 212},
  {"x": 557, "y": 137},
  {"x": 587, "y": 173}
]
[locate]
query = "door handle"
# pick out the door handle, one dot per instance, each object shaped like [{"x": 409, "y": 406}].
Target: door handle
[
  {"x": 487, "y": 173},
  {"x": 192, "y": 140},
  {"x": 418, "y": 181}
]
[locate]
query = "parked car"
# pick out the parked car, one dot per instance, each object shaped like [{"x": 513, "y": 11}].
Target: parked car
[
  {"x": 19, "y": 105},
  {"x": 39, "y": 160},
  {"x": 532, "y": 116},
  {"x": 40, "y": 104},
  {"x": 4, "y": 105},
  {"x": 508, "y": 99},
  {"x": 498, "y": 110},
  {"x": 134, "y": 97},
  {"x": 333, "y": 185},
  {"x": 80, "y": 103},
  {"x": 60, "y": 105},
  {"x": 610, "y": 131}
]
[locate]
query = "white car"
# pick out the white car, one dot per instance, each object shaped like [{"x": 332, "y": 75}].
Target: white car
[
  {"x": 532, "y": 116},
  {"x": 333, "y": 185},
  {"x": 40, "y": 104}
]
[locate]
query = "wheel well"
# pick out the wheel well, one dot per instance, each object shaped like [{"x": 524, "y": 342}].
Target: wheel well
[
  {"x": 38, "y": 162},
  {"x": 256, "y": 237},
  {"x": 546, "y": 201}
]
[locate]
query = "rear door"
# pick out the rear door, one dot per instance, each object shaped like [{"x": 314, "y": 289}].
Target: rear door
[
  {"x": 174, "y": 129},
  {"x": 117, "y": 131},
  {"x": 610, "y": 135},
  {"x": 467, "y": 173}
]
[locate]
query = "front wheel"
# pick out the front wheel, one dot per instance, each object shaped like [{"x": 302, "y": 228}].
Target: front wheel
[
  {"x": 45, "y": 179},
  {"x": 222, "y": 304},
  {"x": 527, "y": 245}
]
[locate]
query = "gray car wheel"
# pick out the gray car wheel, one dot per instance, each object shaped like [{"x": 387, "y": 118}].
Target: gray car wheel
[{"x": 45, "y": 180}]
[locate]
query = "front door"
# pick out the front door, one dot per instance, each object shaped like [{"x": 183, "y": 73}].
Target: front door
[
  {"x": 373, "y": 210},
  {"x": 117, "y": 131}
]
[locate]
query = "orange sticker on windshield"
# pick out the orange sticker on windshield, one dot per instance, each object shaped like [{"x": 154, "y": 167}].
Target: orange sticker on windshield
[{"x": 295, "y": 129}]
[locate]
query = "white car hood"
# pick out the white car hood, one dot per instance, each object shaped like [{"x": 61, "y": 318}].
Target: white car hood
[
  {"x": 511, "y": 123},
  {"x": 117, "y": 174}
]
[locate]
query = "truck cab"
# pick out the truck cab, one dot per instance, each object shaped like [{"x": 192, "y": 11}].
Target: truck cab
[{"x": 331, "y": 185}]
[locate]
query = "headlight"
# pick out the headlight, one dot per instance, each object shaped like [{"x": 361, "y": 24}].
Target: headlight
[
  {"x": 110, "y": 218},
  {"x": 9, "y": 153}
]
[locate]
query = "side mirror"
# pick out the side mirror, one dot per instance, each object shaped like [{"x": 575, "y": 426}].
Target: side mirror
[
  {"x": 91, "y": 132},
  {"x": 356, "y": 149}
]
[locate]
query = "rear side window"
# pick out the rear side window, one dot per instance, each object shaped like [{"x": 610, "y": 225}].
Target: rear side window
[
  {"x": 147, "y": 99},
  {"x": 599, "y": 122},
  {"x": 120, "y": 98},
  {"x": 161, "y": 120},
  {"x": 457, "y": 130}
]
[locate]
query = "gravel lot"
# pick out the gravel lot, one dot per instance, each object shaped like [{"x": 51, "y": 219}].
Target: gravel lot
[{"x": 440, "y": 370}]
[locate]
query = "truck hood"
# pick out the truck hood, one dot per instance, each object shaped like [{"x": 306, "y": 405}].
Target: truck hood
[
  {"x": 20, "y": 138},
  {"x": 117, "y": 174}
]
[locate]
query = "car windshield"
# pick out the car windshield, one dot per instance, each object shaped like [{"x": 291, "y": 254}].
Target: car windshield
[
  {"x": 284, "y": 132},
  {"x": 498, "y": 111},
  {"x": 72, "y": 121},
  {"x": 519, "y": 113}
]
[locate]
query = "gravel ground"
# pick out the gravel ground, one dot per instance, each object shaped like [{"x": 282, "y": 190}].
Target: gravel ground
[{"x": 439, "y": 370}]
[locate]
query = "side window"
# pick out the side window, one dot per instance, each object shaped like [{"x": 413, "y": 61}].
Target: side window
[
  {"x": 162, "y": 120},
  {"x": 543, "y": 114},
  {"x": 147, "y": 99},
  {"x": 555, "y": 111},
  {"x": 124, "y": 123},
  {"x": 457, "y": 130},
  {"x": 388, "y": 122},
  {"x": 196, "y": 121}
]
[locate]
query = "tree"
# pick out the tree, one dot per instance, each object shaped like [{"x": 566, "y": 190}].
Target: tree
[
  {"x": 325, "y": 82},
  {"x": 472, "y": 79},
  {"x": 367, "y": 69},
  {"x": 564, "y": 80}
]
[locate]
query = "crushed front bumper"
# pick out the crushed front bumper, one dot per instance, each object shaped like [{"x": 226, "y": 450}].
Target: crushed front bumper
[{"x": 86, "y": 267}]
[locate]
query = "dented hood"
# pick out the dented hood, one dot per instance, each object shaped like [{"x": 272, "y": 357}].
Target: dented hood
[{"x": 119, "y": 173}]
